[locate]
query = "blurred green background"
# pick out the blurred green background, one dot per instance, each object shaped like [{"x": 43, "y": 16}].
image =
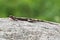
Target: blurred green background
[{"x": 40, "y": 9}]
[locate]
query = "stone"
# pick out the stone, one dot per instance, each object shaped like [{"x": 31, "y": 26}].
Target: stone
[{"x": 24, "y": 30}]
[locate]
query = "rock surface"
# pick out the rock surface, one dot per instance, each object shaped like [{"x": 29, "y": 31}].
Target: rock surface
[{"x": 23, "y": 30}]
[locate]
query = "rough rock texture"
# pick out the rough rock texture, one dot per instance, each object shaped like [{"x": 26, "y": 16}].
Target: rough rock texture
[{"x": 23, "y": 30}]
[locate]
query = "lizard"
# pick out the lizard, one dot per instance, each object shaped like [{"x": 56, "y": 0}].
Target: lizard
[
  {"x": 25, "y": 19},
  {"x": 30, "y": 20}
]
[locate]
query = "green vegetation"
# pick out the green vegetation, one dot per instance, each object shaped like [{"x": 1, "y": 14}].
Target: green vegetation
[{"x": 40, "y": 9}]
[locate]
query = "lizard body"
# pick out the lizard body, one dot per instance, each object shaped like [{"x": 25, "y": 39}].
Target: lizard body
[
  {"x": 24, "y": 19},
  {"x": 30, "y": 19}
]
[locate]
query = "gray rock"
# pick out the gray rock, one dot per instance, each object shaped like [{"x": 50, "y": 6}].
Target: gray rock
[{"x": 23, "y": 30}]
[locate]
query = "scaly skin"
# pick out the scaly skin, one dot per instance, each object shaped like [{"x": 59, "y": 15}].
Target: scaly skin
[
  {"x": 29, "y": 19},
  {"x": 24, "y": 19}
]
